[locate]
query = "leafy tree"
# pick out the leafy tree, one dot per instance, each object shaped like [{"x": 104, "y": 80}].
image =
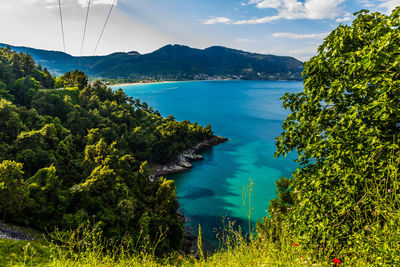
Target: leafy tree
[
  {"x": 11, "y": 187},
  {"x": 44, "y": 200},
  {"x": 24, "y": 90},
  {"x": 4, "y": 93},
  {"x": 10, "y": 122},
  {"x": 344, "y": 127},
  {"x": 73, "y": 79}
]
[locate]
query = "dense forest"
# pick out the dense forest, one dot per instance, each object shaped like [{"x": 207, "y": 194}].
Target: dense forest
[{"x": 84, "y": 153}]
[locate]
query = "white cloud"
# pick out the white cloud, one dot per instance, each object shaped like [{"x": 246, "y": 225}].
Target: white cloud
[
  {"x": 97, "y": 2},
  {"x": 389, "y": 5},
  {"x": 346, "y": 17},
  {"x": 223, "y": 20},
  {"x": 250, "y": 2},
  {"x": 292, "y": 10},
  {"x": 366, "y": 3},
  {"x": 268, "y": 4},
  {"x": 258, "y": 21},
  {"x": 245, "y": 40},
  {"x": 303, "y": 54},
  {"x": 300, "y": 36},
  {"x": 82, "y": 3}
]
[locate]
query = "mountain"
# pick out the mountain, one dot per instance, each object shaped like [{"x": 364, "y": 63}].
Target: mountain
[{"x": 173, "y": 62}]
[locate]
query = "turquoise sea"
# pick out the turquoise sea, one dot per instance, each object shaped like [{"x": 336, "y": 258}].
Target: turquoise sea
[{"x": 249, "y": 113}]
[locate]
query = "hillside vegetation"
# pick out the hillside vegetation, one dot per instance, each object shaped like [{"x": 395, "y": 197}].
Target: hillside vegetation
[
  {"x": 85, "y": 154},
  {"x": 174, "y": 62},
  {"x": 340, "y": 207}
]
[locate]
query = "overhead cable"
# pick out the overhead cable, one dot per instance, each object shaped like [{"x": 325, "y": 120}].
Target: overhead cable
[
  {"x": 84, "y": 30},
  {"x": 62, "y": 24},
  {"x": 104, "y": 27}
]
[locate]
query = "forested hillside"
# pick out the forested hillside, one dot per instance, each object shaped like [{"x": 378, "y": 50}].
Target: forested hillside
[
  {"x": 84, "y": 153},
  {"x": 174, "y": 62}
]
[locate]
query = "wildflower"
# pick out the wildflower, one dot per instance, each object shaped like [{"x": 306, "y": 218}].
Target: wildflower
[
  {"x": 296, "y": 244},
  {"x": 336, "y": 261},
  {"x": 57, "y": 229},
  {"x": 389, "y": 191},
  {"x": 288, "y": 208},
  {"x": 326, "y": 214}
]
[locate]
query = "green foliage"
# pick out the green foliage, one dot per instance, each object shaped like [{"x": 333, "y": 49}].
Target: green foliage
[
  {"x": 4, "y": 93},
  {"x": 20, "y": 78},
  {"x": 74, "y": 78},
  {"x": 11, "y": 187},
  {"x": 344, "y": 129},
  {"x": 24, "y": 253},
  {"x": 86, "y": 153}
]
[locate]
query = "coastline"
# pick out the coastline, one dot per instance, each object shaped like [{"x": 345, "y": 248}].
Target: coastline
[
  {"x": 139, "y": 83},
  {"x": 216, "y": 80},
  {"x": 184, "y": 161}
]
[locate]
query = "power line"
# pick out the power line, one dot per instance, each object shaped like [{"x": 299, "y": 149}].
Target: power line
[
  {"x": 62, "y": 24},
  {"x": 105, "y": 24},
  {"x": 84, "y": 30}
]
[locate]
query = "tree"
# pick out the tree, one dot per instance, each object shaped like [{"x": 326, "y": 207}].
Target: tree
[
  {"x": 11, "y": 190},
  {"x": 24, "y": 90},
  {"x": 74, "y": 79},
  {"x": 344, "y": 127},
  {"x": 10, "y": 122},
  {"x": 4, "y": 93}
]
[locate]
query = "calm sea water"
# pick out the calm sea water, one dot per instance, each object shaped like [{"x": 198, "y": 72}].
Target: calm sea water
[{"x": 249, "y": 113}]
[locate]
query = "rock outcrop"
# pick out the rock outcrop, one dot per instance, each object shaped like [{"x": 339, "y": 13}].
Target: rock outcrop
[
  {"x": 185, "y": 159},
  {"x": 13, "y": 233}
]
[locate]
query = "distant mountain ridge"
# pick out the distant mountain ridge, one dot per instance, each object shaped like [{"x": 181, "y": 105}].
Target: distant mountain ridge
[{"x": 173, "y": 62}]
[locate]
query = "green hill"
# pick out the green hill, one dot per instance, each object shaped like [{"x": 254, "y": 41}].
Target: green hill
[{"x": 174, "y": 62}]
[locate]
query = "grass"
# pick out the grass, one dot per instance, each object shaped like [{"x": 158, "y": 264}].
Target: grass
[
  {"x": 89, "y": 250},
  {"x": 24, "y": 253}
]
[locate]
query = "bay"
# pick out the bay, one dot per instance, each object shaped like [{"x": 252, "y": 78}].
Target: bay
[{"x": 249, "y": 113}]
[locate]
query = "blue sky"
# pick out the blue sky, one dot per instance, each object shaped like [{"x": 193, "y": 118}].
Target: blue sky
[{"x": 281, "y": 27}]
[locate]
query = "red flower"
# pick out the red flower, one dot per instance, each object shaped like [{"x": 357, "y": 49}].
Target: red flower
[
  {"x": 336, "y": 261},
  {"x": 296, "y": 244}
]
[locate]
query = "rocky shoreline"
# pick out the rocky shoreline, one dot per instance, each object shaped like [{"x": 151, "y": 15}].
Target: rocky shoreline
[
  {"x": 13, "y": 233},
  {"x": 185, "y": 159},
  {"x": 181, "y": 164}
]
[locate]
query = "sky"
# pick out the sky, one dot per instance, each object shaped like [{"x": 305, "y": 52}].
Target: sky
[{"x": 280, "y": 27}]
